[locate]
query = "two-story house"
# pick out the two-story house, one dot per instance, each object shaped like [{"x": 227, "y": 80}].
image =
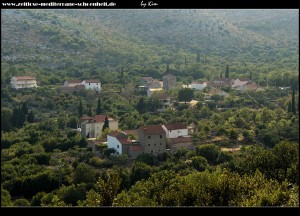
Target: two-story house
[
  {"x": 152, "y": 138},
  {"x": 91, "y": 127},
  {"x": 19, "y": 82},
  {"x": 198, "y": 85}
]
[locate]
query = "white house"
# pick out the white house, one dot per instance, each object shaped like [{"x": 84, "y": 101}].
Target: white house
[
  {"x": 92, "y": 126},
  {"x": 19, "y": 82},
  {"x": 93, "y": 84},
  {"x": 175, "y": 130},
  {"x": 119, "y": 142},
  {"x": 198, "y": 85}
]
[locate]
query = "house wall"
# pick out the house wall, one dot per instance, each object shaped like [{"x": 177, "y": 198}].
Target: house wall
[
  {"x": 175, "y": 133},
  {"x": 125, "y": 149},
  {"x": 199, "y": 86},
  {"x": 113, "y": 143},
  {"x": 95, "y": 129},
  {"x": 134, "y": 154},
  {"x": 155, "y": 144},
  {"x": 93, "y": 86},
  {"x": 18, "y": 84}
]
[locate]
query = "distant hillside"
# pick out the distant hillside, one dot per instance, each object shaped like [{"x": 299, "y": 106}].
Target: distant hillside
[{"x": 78, "y": 42}]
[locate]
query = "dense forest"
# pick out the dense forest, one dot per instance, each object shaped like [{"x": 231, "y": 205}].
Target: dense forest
[{"x": 245, "y": 151}]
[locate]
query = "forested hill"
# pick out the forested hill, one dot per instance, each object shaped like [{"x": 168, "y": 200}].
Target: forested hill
[{"x": 72, "y": 42}]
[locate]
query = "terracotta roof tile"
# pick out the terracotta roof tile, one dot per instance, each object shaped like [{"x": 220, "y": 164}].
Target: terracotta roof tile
[
  {"x": 175, "y": 126},
  {"x": 152, "y": 129},
  {"x": 25, "y": 78},
  {"x": 74, "y": 81},
  {"x": 92, "y": 81}
]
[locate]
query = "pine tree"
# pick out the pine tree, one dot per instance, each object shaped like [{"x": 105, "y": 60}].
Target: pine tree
[
  {"x": 99, "y": 108},
  {"x": 30, "y": 117},
  {"x": 80, "y": 109},
  {"x": 227, "y": 72},
  {"x": 167, "y": 68},
  {"x": 141, "y": 105},
  {"x": 89, "y": 112},
  {"x": 289, "y": 107},
  {"x": 25, "y": 108},
  {"x": 221, "y": 75},
  {"x": 293, "y": 109},
  {"x": 106, "y": 123}
]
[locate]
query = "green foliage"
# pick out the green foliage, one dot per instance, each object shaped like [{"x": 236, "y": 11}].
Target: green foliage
[
  {"x": 84, "y": 174},
  {"x": 21, "y": 202},
  {"x": 5, "y": 198},
  {"x": 185, "y": 94},
  {"x": 208, "y": 151}
]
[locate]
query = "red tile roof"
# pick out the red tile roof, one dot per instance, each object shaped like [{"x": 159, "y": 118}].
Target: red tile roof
[
  {"x": 152, "y": 129},
  {"x": 25, "y": 78},
  {"x": 175, "y": 126},
  {"x": 74, "y": 81},
  {"x": 97, "y": 118},
  {"x": 92, "y": 81},
  {"x": 122, "y": 138},
  {"x": 133, "y": 132},
  {"x": 136, "y": 148}
]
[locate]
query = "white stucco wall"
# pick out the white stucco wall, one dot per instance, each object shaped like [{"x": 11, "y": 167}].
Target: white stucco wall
[
  {"x": 94, "y": 86},
  {"x": 112, "y": 142}
]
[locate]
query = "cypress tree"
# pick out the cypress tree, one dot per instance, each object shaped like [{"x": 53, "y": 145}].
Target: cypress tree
[
  {"x": 106, "y": 123},
  {"x": 289, "y": 107},
  {"x": 227, "y": 72},
  {"x": 80, "y": 109},
  {"x": 221, "y": 75},
  {"x": 99, "y": 108},
  {"x": 89, "y": 112},
  {"x": 293, "y": 109}
]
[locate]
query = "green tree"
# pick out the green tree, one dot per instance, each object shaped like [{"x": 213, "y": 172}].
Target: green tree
[
  {"x": 21, "y": 202},
  {"x": 5, "y": 198},
  {"x": 199, "y": 163},
  {"x": 109, "y": 187},
  {"x": 209, "y": 151},
  {"x": 293, "y": 109},
  {"x": 99, "y": 107},
  {"x": 106, "y": 123},
  {"x": 185, "y": 94},
  {"x": 30, "y": 117},
  {"x": 141, "y": 105},
  {"x": 227, "y": 72},
  {"x": 84, "y": 173},
  {"x": 89, "y": 112},
  {"x": 6, "y": 117},
  {"x": 80, "y": 109}
]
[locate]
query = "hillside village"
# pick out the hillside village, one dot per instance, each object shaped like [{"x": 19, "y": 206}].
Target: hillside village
[{"x": 149, "y": 108}]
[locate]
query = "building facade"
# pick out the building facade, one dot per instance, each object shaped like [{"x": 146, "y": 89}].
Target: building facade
[
  {"x": 175, "y": 130},
  {"x": 19, "y": 82},
  {"x": 94, "y": 84},
  {"x": 152, "y": 138},
  {"x": 198, "y": 85},
  {"x": 169, "y": 82},
  {"x": 91, "y": 127},
  {"x": 119, "y": 142}
]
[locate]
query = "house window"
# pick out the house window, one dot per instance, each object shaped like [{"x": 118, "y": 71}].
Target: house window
[
  {"x": 160, "y": 136},
  {"x": 118, "y": 146},
  {"x": 151, "y": 151},
  {"x": 117, "y": 153},
  {"x": 89, "y": 83},
  {"x": 149, "y": 137},
  {"x": 155, "y": 144},
  {"x": 160, "y": 143},
  {"x": 178, "y": 131},
  {"x": 148, "y": 144},
  {"x": 170, "y": 131}
]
